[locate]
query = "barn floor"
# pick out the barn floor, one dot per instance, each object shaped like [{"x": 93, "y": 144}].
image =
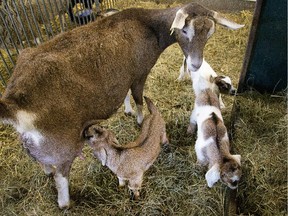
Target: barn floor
[{"x": 175, "y": 184}]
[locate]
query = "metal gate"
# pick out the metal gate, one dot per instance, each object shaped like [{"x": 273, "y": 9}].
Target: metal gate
[{"x": 26, "y": 23}]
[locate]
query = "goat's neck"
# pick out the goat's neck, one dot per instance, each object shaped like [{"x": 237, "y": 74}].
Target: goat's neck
[
  {"x": 159, "y": 21},
  {"x": 200, "y": 84},
  {"x": 113, "y": 158}
]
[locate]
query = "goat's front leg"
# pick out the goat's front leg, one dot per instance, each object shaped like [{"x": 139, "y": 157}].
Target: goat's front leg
[
  {"x": 135, "y": 186},
  {"x": 183, "y": 70},
  {"x": 48, "y": 169},
  {"x": 121, "y": 182},
  {"x": 222, "y": 105},
  {"x": 62, "y": 184}
]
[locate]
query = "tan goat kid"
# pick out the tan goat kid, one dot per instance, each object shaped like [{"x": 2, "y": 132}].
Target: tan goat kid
[{"x": 130, "y": 161}]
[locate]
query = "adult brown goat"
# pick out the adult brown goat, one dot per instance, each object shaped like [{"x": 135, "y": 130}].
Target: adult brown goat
[{"x": 85, "y": 74}]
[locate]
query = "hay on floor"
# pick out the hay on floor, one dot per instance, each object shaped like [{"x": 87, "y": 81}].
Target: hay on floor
[{"x": 174, "y": 185}]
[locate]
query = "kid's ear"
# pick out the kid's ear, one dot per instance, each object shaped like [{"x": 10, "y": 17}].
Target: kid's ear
[
  {"x": 211, "y": 79},
  {"x": 237, "y": 158}
]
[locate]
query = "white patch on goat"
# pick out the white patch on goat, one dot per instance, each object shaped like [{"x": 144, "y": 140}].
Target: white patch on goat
[
  {"x": 63, "y": 190},
  {"x": 25, "y": 126},
  {"x": 140, "y": 114},
  {"x": 235, "y": 178},
  {"x": 189, "y": 31},
  {"x": 204, "y": 112},
  {"x": 25, "y": 121},
  {"x": 200, "y": 146},
  {"x": 190, "y": 64},
  {"x": 127, "y": 104},
  {"x": 34, "y": 135},
  {"x": 227, "y": 80}
]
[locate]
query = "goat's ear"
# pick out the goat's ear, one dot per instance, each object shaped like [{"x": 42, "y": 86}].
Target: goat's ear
[
  {"x": 212, "y": 79},
  {"x": 102, "y": 156},
  {"x": 213, "y": 175},
  {"x": 179, "y": 20},
  {"x": 86, "y": 132},
  {"x": 95, "y": 131},
  {"x": 225, "y": 22},
  {"x": 237, "y": 158}
]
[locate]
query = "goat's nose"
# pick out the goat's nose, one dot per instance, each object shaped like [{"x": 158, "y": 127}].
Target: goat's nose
[
  {"x": 234, "y": 183},
  {"x": 196, "y": 66},
  {"x": 233, "y": 91}
]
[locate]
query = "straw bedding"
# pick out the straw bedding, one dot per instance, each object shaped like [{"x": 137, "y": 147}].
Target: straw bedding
[{"x": 174, "y": 185}]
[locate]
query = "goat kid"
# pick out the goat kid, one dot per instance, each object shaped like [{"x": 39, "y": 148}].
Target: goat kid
[
  {"x": 130, "y": 161},
  {"x": 212, "y": 144},
  {"x": 64, "y": 82},
  {"x": 207, "y": 71}
]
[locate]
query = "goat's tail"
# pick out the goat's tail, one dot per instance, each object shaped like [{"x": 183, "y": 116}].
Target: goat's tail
[
  {"x": 222, "y": 139},
  {"x": 151, "y": 107}
]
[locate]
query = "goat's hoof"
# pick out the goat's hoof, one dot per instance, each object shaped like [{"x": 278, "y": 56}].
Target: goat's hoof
[
  {"x": 130, "y": 113},
  {"x": 134, "y": 197},
  {"x": 121, "y": 186},
  {"x": 64, "y": 206}
]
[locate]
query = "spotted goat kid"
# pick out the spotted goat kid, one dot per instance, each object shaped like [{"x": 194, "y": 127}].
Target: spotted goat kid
[{"x": 212, "y": 145}]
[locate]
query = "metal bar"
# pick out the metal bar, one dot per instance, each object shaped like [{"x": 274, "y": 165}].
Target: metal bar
[
  {"x": 28, "y": 21},
  {"x": 66, "y": 6},
  {"x": 92, "y": 15},
  {"x": 42, "y": 19},
  {"x": 3, "y": 81},
  {"x": 59, "y": 15},
  {"x": 15, "y": 27},
  {"x": 77, "y": 12},
  {"x": 35, "y": 21},
  {"x": 48, "y": 17},
  {"x": 8, "y": 52},
  {"x": 9, "y": 33},
  {"x": 53, "y": 15},
  {"x": 21, "y": 23},
  {"x": 85, "y": 7}
]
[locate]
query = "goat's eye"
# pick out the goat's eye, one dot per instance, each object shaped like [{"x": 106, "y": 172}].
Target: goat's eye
[{"x": 184, "y": 31}]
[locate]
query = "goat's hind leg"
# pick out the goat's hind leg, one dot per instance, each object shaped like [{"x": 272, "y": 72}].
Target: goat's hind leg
[
  {"x": 127, "y": 103},
  {"x": 62, "y": 184},
  {"x": 137, "y": 93},
  {"x": 49, "y": 170},
  {"x": 135, "y": 186},
  {"x": 121, "y": 182}
]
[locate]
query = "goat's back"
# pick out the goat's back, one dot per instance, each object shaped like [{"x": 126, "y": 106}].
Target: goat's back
[{"x": 82, "y": 74}]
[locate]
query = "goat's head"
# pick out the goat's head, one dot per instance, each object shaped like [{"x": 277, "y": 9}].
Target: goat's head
[
  {"x": 98, "y": 136},
  {"x": 230, "y": 171},
  {"x": 101, "y": 141},
  {"x": 193, "y": 26},
  {"x": 224, "y": 84}
]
